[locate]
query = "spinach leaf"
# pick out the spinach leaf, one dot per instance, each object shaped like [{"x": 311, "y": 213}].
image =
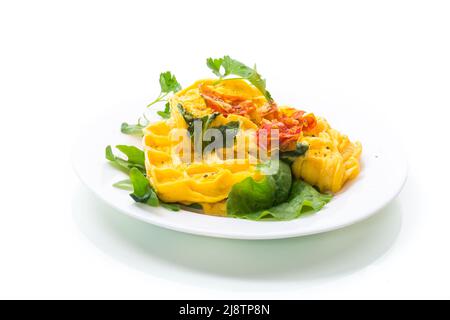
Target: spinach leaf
[
  {"x": 303, "y": 199},
  {"x": 283, "y": 181},
  {"x": 206, "y": 121},
  {"x": 142, "y": 191},
  {"x": 250, "y": 196},
  {"x": 229, "y": 131},
  {"x": 290, "y": 156}
]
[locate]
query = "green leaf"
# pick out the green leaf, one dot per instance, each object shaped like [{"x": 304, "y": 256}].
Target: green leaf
[
  {"x": 166, "y": 113},
  {"x": 208, "y": 120},
  {"x": 283, "y": 181},
  {"x": 190, "y": 120},
  {"x": 234, "y": 67},
  {"x": 249, "y": 196},
  {"x": 142, "y": 191},
  {"x": 303, "y": 199},
  {"x": 196, "y": 206},
  {"x": 290, "y": 156},
  {"x": 135, "y": 155},
  {"x": 132, "y": 129},
  {"x": 170, "y": 206},
  {"x": 187, "y": 116},
  {"x": 109, "y": 154},
  {"x": 229, "y": 131},
  {"x": 124, "y": 185},
  {"x": 168, "y": 82},
  {"x": 214, "y": 65},
  {"x": 134, "y": 158}
]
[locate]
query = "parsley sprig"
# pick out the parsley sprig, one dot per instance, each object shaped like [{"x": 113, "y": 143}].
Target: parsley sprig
[
  {"x": 169, "y": 84},
  {"x": 223, "y": 67}
]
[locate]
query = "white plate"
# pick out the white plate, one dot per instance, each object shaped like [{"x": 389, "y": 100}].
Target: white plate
[{"x": 383, "y": 175}]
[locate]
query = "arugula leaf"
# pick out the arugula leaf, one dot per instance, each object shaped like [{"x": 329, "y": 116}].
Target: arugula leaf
[
  {"x": 166, "y": 113},
  {"x": 135, "y": 155},
  {"x": 249, "y": 196},
  {"x": 132, "y": 129},
  {"x": 138, "y": 183},
  {"x": 136, "y": 158},
  {"x": 232, "y": 66},
  {"x": 124, "y": 184},
  {"x": 290, "y": 156},
  {"x": 142, "y": 191},
  {"x": 303, "y": 199},
  {"x": 169, "y": 84}
]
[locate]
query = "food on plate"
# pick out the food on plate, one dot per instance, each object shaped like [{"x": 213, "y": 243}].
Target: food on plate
[{"x": 224, "y": 147}]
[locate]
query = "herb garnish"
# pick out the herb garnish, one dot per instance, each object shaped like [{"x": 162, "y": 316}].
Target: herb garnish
[{"x": 223, "y": 67}]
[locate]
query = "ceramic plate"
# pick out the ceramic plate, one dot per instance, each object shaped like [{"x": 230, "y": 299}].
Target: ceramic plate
[{"x": 383, "y": 174}]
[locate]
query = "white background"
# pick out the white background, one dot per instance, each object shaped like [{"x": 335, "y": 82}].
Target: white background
[{"x": 63, "y": 62}]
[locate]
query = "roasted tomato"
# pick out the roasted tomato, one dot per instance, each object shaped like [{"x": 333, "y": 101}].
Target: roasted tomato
[{"x": 290, "y": 125}]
